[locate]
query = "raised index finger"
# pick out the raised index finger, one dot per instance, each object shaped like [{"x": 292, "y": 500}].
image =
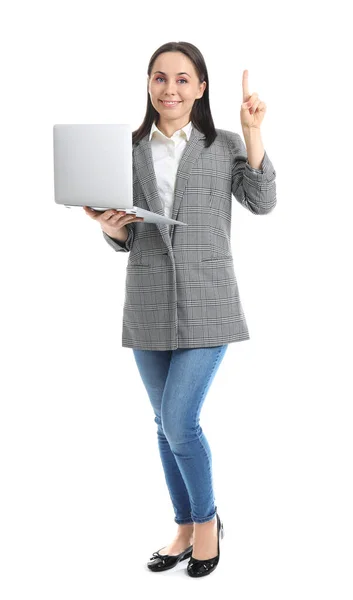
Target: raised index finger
[{"x": 246, "y": 94}]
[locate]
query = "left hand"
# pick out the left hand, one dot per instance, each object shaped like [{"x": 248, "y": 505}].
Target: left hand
[{"x": 253, "y": 109}]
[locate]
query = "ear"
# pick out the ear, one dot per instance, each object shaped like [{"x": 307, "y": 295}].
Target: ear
[{"x": 203, "y": 86}]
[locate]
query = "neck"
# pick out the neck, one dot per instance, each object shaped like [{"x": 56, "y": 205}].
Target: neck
[{"x": 170, "y": 127}]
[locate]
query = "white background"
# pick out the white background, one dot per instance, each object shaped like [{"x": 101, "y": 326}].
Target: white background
[{"x": 83, "y": 500}]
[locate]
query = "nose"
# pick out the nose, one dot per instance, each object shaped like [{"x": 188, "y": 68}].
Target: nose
[{"x": 170, "y": 88}]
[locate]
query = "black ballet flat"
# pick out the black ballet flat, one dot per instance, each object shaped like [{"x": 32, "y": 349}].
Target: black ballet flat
[
  {"x": 199, "y": 568},
  {"x": 162, "y": 562}
]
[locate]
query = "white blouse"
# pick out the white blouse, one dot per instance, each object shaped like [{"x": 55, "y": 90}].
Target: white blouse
[{"x": 166, "y": 154}]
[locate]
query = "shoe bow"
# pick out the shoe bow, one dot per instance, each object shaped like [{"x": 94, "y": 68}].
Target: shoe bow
[{"x": 157, "y": 555}]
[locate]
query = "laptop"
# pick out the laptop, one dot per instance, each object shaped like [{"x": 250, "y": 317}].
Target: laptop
[{"x": 93, "y": 167}]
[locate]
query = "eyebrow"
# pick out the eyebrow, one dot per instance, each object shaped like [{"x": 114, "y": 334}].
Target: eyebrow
[{"x": 177, "y": 73}]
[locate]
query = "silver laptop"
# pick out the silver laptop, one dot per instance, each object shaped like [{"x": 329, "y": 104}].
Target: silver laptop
[{"x": 93, "y": 167}]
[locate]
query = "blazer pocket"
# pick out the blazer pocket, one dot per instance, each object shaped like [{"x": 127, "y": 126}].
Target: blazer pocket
[
  {"x": 136, "y": 268},
  {"x": 219, "y": 259},
  {"x": 136, "y": 260}
]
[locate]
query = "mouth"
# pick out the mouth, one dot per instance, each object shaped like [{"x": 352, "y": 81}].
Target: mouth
[{"x": 170, "y": 103}]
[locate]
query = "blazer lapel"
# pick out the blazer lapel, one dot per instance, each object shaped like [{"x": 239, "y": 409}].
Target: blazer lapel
[{"x": 143, "y": 161}]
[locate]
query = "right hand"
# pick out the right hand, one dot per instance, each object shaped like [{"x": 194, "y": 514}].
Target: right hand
[{"x": 111, "y": 221}]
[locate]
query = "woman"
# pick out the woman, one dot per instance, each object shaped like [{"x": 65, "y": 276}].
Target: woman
[{"x": 182, "y": 304}]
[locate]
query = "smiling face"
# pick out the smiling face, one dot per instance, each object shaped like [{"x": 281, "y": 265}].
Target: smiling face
[{"x": 173, "y": 77}]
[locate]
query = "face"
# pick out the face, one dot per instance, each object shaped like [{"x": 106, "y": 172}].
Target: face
[{"x": 173, "y": 77}]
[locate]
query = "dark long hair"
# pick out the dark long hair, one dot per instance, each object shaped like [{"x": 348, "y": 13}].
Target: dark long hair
[{"x": 200, "y": 116}]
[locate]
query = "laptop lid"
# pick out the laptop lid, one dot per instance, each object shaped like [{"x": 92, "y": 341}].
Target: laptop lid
[{"x": 93, "y": 165}]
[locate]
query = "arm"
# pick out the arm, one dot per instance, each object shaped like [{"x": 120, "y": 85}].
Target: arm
[
  {"x": 121, "y": 246},
  {"x": 254, "y": 188}
]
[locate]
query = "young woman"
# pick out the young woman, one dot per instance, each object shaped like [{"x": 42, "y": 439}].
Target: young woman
[{"x": 182, "y": 304}]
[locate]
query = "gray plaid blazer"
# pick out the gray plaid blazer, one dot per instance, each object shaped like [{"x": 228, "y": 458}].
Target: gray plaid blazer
[{"x": 181, "y": 290}]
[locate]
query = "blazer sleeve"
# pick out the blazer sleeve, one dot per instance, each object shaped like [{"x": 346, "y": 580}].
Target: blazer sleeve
[
  {"x": 255, "y": 189},
  {"x": 121, "y": 246}
]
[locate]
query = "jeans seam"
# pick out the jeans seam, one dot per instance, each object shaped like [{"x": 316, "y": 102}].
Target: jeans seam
[{"x": 200, "y": 440}]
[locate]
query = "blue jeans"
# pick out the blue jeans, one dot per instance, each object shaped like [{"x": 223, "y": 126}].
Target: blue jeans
[{"x": 177, "y": 382}]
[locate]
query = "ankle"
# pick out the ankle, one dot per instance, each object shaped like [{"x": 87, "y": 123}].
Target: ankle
[
  {"x": 206, "y": 526},
  {"x": 185, "y": 532},
  {"x": 185, "y": 540}
]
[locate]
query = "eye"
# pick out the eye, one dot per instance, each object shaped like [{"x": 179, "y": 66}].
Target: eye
[{"x": 178, "y": 79}]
